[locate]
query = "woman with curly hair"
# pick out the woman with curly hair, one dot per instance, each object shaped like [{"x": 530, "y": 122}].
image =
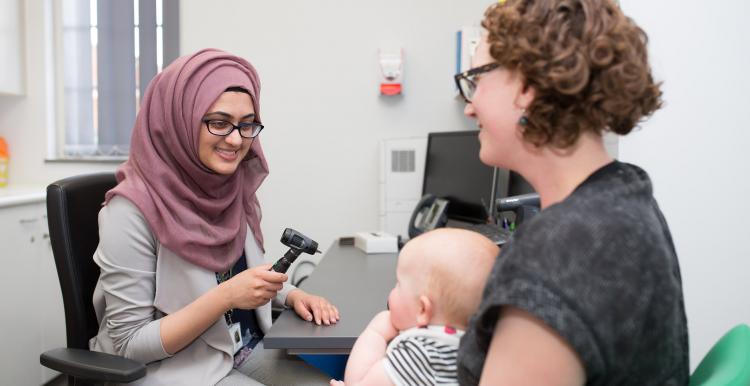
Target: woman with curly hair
[{"x": 589, "y": 291}]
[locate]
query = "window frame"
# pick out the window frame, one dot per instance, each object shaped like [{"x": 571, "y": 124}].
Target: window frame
[{"x": 55, "y": 76}]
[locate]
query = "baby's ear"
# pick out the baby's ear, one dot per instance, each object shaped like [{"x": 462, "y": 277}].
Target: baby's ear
[{"x": 426, "y": 311}]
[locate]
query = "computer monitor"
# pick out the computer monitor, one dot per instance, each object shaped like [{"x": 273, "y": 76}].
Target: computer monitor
[
  {"x": 517, "y": 185},
  {"x": 453, "y": 171}
]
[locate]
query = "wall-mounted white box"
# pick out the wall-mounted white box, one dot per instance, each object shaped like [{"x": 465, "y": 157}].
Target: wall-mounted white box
[{"x": 401, "y": 176}]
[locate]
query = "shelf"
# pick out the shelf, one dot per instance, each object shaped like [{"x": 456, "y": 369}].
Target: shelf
[{"x": 20, "y": 195}]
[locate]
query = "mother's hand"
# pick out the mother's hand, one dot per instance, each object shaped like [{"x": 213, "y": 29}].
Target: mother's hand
[{"x": 311, "y": 307}]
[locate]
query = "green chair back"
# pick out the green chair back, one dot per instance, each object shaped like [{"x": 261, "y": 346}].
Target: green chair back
[{"x": 728, "y": 361}]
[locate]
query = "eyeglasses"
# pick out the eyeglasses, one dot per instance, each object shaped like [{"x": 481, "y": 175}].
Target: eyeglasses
[
  {"x": 467, "y": 80},
  {"x": 224, "y": 128}
]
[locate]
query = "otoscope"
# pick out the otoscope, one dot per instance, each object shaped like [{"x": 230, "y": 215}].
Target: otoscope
[
  {"x": 297, "y": 243},
  {"x": 514, "y": 202},
  {"x": 524, "y": 206}
]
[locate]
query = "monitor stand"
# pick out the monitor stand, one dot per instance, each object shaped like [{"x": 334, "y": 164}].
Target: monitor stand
[{"x": 491, "y": 218}]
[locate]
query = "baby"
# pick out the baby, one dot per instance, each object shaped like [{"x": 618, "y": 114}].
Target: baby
[{"x": 439, "y": 281}]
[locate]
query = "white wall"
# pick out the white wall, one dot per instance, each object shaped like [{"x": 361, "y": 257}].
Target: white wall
[
  {"x": 320, "y": 101},
  {"x": 696, "y": 150}
]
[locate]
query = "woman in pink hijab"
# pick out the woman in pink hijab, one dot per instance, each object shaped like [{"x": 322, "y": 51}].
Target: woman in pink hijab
[{"x": 183, "y": 287}]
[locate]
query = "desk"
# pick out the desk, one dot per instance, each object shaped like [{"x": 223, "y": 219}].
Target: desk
[{"x": 356, "y": 283}]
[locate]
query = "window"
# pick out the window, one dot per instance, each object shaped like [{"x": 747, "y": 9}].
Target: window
[{"x": 108, "y": 52}]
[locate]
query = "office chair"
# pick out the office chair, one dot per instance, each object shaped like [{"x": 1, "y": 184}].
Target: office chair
[
  {"x": 728, "y": 361},
  {"x": 72, "y": 211}
]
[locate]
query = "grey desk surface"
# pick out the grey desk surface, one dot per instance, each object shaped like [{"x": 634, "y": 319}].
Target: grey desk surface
[{"x": 356, "y": 283}]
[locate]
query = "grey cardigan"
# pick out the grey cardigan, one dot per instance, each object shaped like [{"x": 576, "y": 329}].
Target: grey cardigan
[{"x": 140, "y": 282}]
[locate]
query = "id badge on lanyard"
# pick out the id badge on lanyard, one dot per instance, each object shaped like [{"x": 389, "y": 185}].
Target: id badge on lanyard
[{"x": 235, "y": 333}]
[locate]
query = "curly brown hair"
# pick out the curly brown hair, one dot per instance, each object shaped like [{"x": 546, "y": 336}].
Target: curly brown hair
[{"x": 586, "y": 61}]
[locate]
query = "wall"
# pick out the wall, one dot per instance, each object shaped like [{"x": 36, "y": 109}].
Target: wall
[
  {"x": 320, "y": 101},
  {"x": 696, "y": 151}
]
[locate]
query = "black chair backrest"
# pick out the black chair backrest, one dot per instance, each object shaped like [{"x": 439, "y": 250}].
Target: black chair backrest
[{"x": 72, "y": 211}]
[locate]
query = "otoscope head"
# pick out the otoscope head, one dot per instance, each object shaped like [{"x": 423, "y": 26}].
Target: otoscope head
[{"x": 296, "y": 240}]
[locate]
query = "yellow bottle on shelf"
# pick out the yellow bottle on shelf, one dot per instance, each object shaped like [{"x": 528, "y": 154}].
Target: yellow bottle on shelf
[{"x": 4, "y": 158}]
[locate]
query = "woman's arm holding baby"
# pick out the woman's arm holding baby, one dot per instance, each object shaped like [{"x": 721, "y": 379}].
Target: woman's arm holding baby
[{"x": 365, "y": 365}]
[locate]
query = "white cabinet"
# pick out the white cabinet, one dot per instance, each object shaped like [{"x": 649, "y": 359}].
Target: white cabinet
[
  {"x": 32, "y": 318},
  {"x": 11, "y": 66}
]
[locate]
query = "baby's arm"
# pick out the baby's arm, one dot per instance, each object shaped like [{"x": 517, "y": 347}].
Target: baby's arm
[{"x": 365, "y": 365}]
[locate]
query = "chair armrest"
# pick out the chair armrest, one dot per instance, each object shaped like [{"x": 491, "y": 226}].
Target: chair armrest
[{"x": 92, "y": 365}]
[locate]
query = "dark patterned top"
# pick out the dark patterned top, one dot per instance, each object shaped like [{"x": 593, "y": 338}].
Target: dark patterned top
[{"x": 600, "y": 269}]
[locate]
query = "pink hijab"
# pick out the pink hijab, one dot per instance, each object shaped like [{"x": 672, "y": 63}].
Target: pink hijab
[{"x": 198, "y": 214}]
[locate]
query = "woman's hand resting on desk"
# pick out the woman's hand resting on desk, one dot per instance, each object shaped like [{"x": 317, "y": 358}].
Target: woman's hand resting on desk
[
  {"x": 310, "y": 307},
  {"x": 252, "y": 287}
]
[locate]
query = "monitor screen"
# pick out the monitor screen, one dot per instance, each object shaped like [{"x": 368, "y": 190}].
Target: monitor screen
[
  {"x": 517, "y": 185},
  {"x": 453, "y": 171}
]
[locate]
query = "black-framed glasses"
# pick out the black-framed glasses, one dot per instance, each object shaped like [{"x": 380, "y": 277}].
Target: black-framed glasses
[
  {"x": 467, "y": 81},
  {"x": 223, "y": 128}
]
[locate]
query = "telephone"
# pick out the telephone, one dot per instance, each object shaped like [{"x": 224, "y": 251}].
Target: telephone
[{"x": 429, "y": 214}]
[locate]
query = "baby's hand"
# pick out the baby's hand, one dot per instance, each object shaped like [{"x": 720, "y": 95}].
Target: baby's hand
[
  {"x": 337, "y": 383},
  {"x": 382, "y": 324}
]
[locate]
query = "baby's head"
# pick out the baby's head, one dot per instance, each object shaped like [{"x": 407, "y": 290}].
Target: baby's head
[{"x": 440, "y": 278}]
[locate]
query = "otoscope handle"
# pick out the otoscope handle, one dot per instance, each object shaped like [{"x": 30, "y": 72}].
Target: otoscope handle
[{"x": 283, "y": 263}]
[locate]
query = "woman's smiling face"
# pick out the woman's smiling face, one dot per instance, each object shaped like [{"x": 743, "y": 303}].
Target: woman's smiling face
[{"x": 224, "y": 154}]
